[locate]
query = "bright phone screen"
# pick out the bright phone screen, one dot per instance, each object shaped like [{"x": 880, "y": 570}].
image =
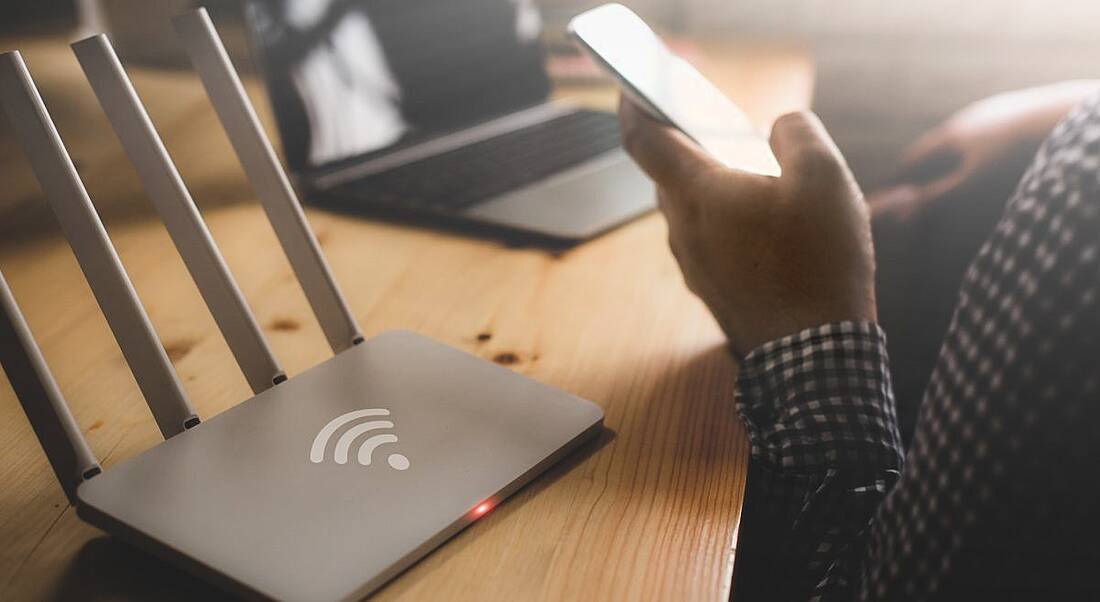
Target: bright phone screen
[{"x": 672, "y": 89}]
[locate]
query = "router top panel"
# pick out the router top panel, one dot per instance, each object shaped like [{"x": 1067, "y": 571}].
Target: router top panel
[{"x": 329, "y": 484}]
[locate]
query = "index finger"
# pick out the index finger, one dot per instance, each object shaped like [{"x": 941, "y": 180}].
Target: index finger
[
  {"x": 666, "y": 155},
  {"x": 930, "y": 157}
]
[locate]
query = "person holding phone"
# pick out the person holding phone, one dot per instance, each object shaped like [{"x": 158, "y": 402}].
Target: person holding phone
[{"x": 995, "y": 497}]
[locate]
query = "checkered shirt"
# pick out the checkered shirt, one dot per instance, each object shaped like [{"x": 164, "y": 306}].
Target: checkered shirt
[{"x": 998, "y": 497}]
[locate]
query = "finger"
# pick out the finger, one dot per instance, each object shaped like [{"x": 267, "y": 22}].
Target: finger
[
  {"x": 666, "y": 155},
  {"x": 931, "y": 167},
  {"x": 892, "y": 196},
  {"x": 803, "y": 146},
  {"x": 662, "y": 200},
  {"x": 688, "y": 272},
  {"x": 681, "y": 220},
  {"x": 904, "y": 201},
  {"x": 940, "y": 188},
  {"x": 897, "y": 204},
  {"x": 674, "y": 246},
  {"x": 926, "y": 145},
  {"x": 675, "y": 204},
  {"x": 932, "y": 156}
]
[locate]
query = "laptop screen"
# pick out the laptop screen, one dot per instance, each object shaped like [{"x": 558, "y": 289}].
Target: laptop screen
[{"x": 349, "y": 78}]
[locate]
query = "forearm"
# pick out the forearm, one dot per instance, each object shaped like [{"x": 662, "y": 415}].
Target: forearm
[
  {"x": 825, "y": 450},
  {"x": 1050, "y": 103}
]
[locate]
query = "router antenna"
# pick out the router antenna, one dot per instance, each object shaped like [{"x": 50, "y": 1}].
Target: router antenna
[
  {"x": 177, "y": 210},
  {"x": 267, "y": 176},
  {"x": 68, "y": 452},
  {"x": 97, "y": 257}
]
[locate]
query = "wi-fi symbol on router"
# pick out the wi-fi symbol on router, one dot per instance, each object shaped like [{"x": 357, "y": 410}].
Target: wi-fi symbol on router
[{"x": 346, "y": 440}]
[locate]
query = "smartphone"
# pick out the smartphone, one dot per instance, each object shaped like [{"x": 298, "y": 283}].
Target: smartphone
[{"x": 670, "y": 89}]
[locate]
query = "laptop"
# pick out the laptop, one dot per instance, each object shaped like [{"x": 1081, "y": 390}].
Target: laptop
[{"x": 438, "y": 109}]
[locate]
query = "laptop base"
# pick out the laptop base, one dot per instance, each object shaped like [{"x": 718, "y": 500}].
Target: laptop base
[{"x": 572, "y": 206}]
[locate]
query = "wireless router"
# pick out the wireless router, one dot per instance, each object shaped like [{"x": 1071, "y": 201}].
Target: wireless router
[{"x": 320, "y": 487}]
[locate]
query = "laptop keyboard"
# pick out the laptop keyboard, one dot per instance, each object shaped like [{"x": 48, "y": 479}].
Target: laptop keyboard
[{"x": 480, "y": 171}]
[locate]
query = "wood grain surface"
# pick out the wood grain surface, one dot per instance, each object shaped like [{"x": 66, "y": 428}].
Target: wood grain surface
[{"x": 647, "y": 512}]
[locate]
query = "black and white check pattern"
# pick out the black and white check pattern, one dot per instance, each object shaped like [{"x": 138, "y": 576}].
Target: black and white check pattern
[
  {"x": 999, "y": 496},
  {"x": 825, "y": 449}
]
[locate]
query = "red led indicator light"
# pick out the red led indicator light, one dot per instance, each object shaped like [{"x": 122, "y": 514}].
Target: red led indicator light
[{"x": 481, "y": 509}]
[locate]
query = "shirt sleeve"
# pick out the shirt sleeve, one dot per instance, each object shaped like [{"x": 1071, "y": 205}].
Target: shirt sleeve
[
  {"x": 999, "y": 493},
  {"x": 825, "y": 449}
]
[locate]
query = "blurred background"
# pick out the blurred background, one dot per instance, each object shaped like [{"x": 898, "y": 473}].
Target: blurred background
[{"x": 886, "y": 69}]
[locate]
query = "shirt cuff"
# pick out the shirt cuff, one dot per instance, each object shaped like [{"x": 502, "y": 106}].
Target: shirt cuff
[{"x": 821, "y": 398}]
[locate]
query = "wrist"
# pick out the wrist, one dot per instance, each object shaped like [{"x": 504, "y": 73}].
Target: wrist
[
  {"x": 828, "y": 387},
  {"x": 785, "y": 323}
]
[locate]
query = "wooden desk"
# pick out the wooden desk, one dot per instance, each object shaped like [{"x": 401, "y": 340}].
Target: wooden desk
[{"x": 647, "y": 512}]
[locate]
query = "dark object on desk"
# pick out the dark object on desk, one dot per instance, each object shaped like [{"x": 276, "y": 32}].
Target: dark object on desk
[
  {"x": 32, "y": 16},
  {"x": 439, "y": 109}
]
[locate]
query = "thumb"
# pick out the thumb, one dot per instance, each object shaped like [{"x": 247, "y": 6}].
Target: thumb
[{"x": 803, "y": 147}]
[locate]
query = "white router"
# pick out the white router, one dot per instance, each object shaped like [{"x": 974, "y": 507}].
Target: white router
[{"x": 320, "y": 487}]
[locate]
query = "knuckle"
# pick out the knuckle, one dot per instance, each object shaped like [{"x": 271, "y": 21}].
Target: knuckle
[
  {"x": 692, "y": 286},
  {"x": 818, "y": 161},
  {"x": 793, "y": 118},
  {"x": 797, "y": 126},
  {"x": 681, "y": 207},
  {"x": 823, "y": 159},
  {"x": 674, "y": 246},
  {"x": 629, "y": 134}
]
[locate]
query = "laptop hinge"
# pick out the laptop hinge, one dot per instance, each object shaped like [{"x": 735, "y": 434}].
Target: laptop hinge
[{"x": 448, "y": 142}]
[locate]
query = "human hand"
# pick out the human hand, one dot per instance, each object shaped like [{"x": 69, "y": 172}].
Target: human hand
[
  {"x": 768, "y": 256},
  {"x": 990, "y": 141}
]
